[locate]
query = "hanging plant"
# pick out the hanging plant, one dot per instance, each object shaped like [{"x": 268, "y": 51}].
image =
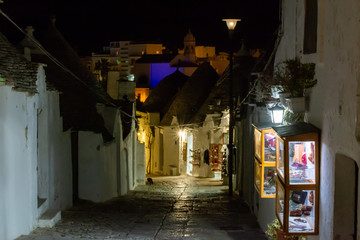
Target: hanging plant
[{"x": 294, "y": 77}]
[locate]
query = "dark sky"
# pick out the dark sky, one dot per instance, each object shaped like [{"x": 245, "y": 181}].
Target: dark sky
[{"x": 90, "y": 24}]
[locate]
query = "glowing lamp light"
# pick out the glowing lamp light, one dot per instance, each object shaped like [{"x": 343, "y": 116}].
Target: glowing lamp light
[
  {"x": 277, "y": 113},
  {"x": 181, "y": 133},
  {"x": 231, "y": 23}
]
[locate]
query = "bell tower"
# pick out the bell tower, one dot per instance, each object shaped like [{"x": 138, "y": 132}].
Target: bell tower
[{"x": 189, "y": 46}]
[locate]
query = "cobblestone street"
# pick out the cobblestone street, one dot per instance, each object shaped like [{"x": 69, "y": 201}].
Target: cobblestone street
[{"x": 172, "y": 208}]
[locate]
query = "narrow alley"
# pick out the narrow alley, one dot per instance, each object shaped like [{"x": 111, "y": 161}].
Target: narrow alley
[{"x": 172, "y": 208}]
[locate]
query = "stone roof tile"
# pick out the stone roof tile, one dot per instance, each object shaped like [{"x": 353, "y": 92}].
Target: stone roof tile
[{"x": 15, "y": 68}]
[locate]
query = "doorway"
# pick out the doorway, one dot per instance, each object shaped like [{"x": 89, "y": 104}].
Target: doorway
[{"x": 345, "y": 200}]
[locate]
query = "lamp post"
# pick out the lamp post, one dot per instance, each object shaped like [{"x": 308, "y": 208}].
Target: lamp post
[{"x": 231, "y": 24}]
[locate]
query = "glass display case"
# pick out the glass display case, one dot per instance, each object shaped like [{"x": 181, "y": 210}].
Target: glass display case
[
  {"x": 265, "y": 144},
  {"x": 257, "y": 137},
  {"x": 257, "y": 175},
  {"x": 297, "y": 210},
  {"x": 297, "y": 182},
  {"x": 280, "y": 200},
  {"x": 297, "y": 154},
  {"x": 265, "y": 160},
  {"x": 264, "y": 180},
  {"x": 280, "y": 157}
]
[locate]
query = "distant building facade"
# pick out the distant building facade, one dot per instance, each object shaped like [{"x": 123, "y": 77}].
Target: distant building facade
[
  {"x": 114, "y": 66},
  {"x": 151, "y": 69}
]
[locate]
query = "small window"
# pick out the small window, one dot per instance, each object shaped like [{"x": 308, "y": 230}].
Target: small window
[{"x": 310, "y": 29}]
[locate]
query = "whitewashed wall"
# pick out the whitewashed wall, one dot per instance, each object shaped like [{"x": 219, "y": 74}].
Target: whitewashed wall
[
  {"x": 140, "y": 163},
  {"x": 156, "y": 152},
  {"x": 208, "y": 134},
  {"x": 54, "y": 151},
  {"x": 97, "y": 168},
  {"x": 112, "y": 87},
  {"x": 128, "y": 161},
  {"x": 35, "y": 157},
  {"x": 18, "y": 160},
  {"x": 130, "y": 156},
  {"x": 147, "y": 141},
  {"x": 171, "y": 149},
  {"x": 333, "y": 99},
  {"x": 201, "y": 142}
]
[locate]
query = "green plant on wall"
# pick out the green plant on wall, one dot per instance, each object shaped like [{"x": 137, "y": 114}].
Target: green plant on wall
[
  {"x": 294, "y": 77},
  {"x": 289, "y": 76}
]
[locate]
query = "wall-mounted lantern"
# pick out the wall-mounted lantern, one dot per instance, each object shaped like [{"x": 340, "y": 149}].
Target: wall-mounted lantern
[{"x": 277, "y": 113}]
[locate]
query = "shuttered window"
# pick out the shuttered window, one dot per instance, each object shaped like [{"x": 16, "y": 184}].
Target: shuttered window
[{"x": 310, "y": 31}]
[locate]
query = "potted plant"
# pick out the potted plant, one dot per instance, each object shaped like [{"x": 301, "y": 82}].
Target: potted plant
[
  {"x": 274, "y": 232},
  {"x": 271, "y": 231},
  {"x": 294, "y": 77}
]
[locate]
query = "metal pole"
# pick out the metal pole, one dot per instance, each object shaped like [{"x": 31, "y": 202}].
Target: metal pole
[{"x": 231, "y": 116}]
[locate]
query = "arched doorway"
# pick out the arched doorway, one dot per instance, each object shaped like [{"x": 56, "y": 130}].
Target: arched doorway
[{"x": 345, "y": 198}]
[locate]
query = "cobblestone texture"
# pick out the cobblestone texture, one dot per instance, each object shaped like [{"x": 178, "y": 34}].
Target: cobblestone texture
[{"x": 172, "y": 208}]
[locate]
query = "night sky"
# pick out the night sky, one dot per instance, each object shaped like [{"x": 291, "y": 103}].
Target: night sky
[{"x": 89, "y": 25}]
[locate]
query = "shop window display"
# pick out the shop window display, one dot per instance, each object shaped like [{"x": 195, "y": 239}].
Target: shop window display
[
  {"x": 302, "y": 162},
  {"x": 297, "y": 178},
  {"x": 280, "y": 200},
  {"x": 269, "y": 181},
  {"x": 264, "y": 180},
  {"x": 280, "y": 157},
  {"x": 269, "y": 147},
  {"x": 301, "y": 211},
  {"x": 265, "y": 160},
  {"x": 257, "y": 175},
  {"x": 257, "y": 136}
]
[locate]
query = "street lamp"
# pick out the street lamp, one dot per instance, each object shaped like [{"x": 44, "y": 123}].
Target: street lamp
[{"x": 231, "y": 24}]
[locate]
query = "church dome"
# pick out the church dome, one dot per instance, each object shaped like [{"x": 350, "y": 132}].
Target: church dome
[{"x": 189, "y": 37}]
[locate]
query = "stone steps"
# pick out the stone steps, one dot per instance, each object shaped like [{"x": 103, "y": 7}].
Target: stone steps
[{"x": 49, "y": 218}]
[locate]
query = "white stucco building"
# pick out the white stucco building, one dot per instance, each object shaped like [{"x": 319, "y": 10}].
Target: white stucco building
[
  {"x": 326, "y": 33},
  {"x": 110, "y": 169},
  {"x": 35, "y": 153},
  {"x": 56, "y": 148}
]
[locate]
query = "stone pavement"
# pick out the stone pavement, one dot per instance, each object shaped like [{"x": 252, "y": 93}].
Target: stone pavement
[{"x": 172, "y": 208}]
